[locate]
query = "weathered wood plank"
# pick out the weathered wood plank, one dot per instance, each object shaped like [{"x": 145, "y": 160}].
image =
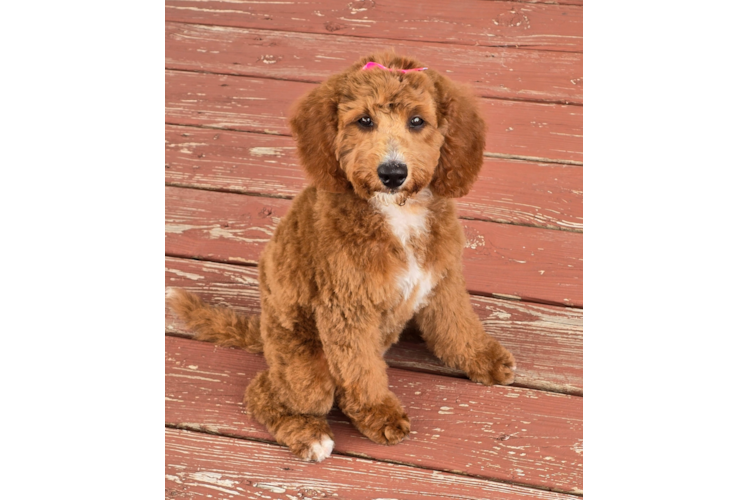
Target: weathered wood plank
[
  {"x": 491, "y": 24},
  {"x": 493, "y": 72},
  {"x": 204, "y": 466},
  {"x": 520, "y": 192},
  {"x": 528, "y": 437},
  {"x": 553, "y": 2},
  {"x": 545, "y": 132},
  {"x": 222, "y": 227},
  {"x": 539, "y": 265},
  {"x": 546, "y": 340},
  {"x": 559, "y": 2}
]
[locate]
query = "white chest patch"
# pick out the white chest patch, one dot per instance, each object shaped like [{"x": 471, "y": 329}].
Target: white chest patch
[{"x": 407, "y": 222}]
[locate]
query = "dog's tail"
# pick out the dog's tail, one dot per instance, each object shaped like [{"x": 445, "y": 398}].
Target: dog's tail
[{"x": 220, "y": 325}]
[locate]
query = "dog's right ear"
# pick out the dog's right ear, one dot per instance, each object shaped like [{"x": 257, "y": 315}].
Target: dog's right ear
[
  {"x": 461, "y": 156},
  {"x": 314, "y": 124}
]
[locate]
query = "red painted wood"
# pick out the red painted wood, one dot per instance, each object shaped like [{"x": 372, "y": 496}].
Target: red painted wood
[
  {"x": 472, "y": 22},
  {"x": 525, "y": 129},
  {"x": 204, "y": 466},
  {"x": 493, "y": 72},
  {"x": 528, "y": 437},
  {"x": 553, "y": 2},
  {"x": 539, "y": 265},
  {"x": 538, "y": 194},
  {"x": 546, "y": 340}
]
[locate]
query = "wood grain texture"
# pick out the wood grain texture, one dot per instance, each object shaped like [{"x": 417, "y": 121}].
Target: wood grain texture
[
  {"x": 552, "y": 2},
  {"x": 528, "y": 437},
  {"x": 538, "y": 265},
  {"x": 204, "y": 466},
  {"x": 520, "y": 192},
  {"x": 545, "y": 132},
  {"x": 492, "y": 72},
  {"x": 471, "y": 22},
  {"x": 546, "y": 341}
]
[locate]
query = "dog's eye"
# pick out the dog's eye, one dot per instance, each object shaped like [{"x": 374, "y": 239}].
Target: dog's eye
[
  {"x": 416, "y": 122},
  {"x": 365, "y": 121}
]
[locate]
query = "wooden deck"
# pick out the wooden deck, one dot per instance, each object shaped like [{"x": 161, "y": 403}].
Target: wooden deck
[{"x": 232, "y": 71}]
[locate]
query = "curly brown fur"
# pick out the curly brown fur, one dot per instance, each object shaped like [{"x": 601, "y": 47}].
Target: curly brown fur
[
  {"x": 220, "y": 325},
  {"x": 354, "y": 259}
]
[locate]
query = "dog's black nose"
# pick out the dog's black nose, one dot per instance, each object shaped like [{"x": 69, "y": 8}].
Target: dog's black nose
[{"x": 392, "y": 174}]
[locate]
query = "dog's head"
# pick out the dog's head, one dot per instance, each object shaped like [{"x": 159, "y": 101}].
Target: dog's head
[{"x": 384, "y": 130}]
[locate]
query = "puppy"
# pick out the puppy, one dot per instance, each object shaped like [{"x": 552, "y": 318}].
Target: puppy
[{"x": 372, "y": 243}]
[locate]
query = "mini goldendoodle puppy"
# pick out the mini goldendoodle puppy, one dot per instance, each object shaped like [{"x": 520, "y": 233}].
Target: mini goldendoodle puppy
[{"x": 373, "y": 243}]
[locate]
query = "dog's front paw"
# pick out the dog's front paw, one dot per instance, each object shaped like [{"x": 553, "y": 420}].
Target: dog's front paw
[
  {"x": 384, "y": 423},
  {"x": 493, "y": 366}
]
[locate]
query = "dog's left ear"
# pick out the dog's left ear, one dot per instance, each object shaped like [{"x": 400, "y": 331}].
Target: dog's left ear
[
  {"x": 314, "y": 125},
  {"x": 464, "y": 131}
]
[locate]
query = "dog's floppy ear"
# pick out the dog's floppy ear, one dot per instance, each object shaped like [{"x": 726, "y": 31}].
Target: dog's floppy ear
[
  {"x": 314, "y": 124},
  {"x": 464, "y": 131}
]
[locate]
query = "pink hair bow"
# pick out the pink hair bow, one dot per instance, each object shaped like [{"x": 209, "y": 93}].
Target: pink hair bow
[{"x": 372, "y": 64}]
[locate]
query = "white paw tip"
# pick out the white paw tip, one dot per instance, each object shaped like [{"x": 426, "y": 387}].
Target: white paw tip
[{"x": 320, "y": 450}]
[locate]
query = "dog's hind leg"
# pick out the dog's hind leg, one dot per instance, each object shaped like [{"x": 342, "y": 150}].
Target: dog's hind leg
[
  {"x": 307, "y": 434},
  {"x": 455, "y": 335},
  {"x": 293, "y": 397}
]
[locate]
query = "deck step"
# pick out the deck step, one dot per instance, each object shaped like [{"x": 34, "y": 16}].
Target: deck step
[
  {"x": 545, "y": 340},
  {"x": 492, "y": 71},
  {"x": 485, "y": 23},
  {"x": 519, "y": 192},
  {"x": 538, "y": 265},
  {"x": 527, "y": 437},
  {"x": 543, "y": 132},
  {"x": 203, "y": 466}
]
